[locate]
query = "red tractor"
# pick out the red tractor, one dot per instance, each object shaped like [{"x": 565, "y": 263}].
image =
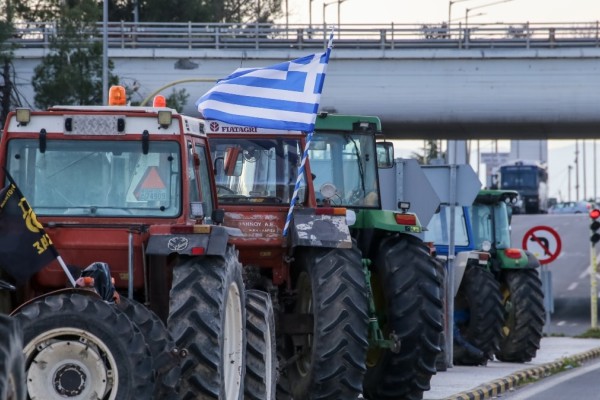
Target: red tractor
[
  {"x": 128, "y": 190},
  {"x": 305, "y": 260}
]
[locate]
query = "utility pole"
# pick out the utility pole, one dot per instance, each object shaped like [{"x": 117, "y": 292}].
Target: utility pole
[
  {"x": 569, "y": 183},
  {"x": 584, "y": 172},
  {"x": 6, "y": 91},
  {"x": 576, "y": 170}
]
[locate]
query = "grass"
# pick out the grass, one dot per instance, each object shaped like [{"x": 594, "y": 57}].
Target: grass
[{"x": 592, "y": 333}]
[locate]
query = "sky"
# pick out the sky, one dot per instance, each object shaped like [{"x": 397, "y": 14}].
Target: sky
[{"x": 561, "y": 153}]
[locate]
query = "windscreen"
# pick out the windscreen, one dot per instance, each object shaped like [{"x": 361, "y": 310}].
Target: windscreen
[
  {"x": 517, "y": 177},
  {"x": 257, "y": 171},
  {"x": 491, "y": 223},
  {"x": 349, "y": 162},
  {"x": 438, "y": 230},
  {"x": 92, "y": 178}
]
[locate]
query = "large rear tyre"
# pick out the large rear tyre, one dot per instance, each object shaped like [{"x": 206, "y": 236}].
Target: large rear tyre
[
  {"x": 329, "y": 363},
  {"x": 409, "y": 302},
  {"x": 524, "y": 315},
  {"x": 477, "y": 316},
  {"x": 78, "y": 346},
  {"x": 12, "y": 370},
  {"x": 164, "y": 362},
  {"x": 207, "y": 318},
  {"x": 261, "y": 353}
]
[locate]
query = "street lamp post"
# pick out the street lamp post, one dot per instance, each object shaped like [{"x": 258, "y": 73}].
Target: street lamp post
[
  {"x": 450, "y": 3},
  {"x": 467, "y": 10},
  {"x": 105, "y": 52},
  {"x": 325, "y": 5}
]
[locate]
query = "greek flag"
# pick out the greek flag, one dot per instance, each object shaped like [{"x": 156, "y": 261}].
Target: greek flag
[{"x": 284, "y": 96}]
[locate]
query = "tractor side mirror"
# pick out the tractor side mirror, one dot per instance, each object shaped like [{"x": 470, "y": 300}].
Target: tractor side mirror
[{"x": 385, "y": 154}]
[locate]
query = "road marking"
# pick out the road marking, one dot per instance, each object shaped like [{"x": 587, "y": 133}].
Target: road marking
[
  {"x": 572, "y": 286},
  {"x": 561, "y": 323}
]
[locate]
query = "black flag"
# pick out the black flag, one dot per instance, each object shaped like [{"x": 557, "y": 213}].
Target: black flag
[{"x": 25, "y": 248}]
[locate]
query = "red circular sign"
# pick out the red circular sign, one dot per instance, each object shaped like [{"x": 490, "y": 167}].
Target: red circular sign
[{"x": 544, "y": 242}]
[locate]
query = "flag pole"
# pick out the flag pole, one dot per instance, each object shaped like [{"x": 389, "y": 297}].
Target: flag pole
[
  {"x": 298, "y": 181},
  {"x": 66, "y": 270}
]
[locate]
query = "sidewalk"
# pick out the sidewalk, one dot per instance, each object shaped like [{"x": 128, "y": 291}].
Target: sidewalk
[{"x": 462, "y": 383}]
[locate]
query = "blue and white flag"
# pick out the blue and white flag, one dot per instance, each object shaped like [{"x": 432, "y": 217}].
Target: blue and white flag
[{"x": 284, "y": 96}]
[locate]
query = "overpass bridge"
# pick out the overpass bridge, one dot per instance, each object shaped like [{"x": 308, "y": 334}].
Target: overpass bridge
[{"x": 524, "y": 81}]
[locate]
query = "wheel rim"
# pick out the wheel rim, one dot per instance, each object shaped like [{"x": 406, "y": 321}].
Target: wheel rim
[
  {"x": 70, "y": 363},
  {"x": 304, "y": 306},
  {"x": 233, "y": 343}
]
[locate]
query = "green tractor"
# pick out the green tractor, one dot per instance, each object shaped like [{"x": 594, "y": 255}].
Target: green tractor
[
  {"x": 516, "y": 270},
  {"x": 403, "y": 282}
]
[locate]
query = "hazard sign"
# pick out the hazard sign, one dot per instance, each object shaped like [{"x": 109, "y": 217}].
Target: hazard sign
[
  {"x": 544, "y": 242},
  {"x": 151, "y": 186}
]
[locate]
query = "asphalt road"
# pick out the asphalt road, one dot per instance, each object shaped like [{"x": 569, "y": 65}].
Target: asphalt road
[{"x": 581, "y": 382}]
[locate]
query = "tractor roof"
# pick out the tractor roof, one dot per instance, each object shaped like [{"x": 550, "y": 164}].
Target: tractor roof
[{"x": 489, "y": 196}]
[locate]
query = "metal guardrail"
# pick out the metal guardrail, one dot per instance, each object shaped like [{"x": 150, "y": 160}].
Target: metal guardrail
[{"x": 129, "y": 35}]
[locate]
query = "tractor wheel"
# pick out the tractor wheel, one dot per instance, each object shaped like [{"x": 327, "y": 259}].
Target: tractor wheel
[
  {"x": 408, "y": 297},
  {"x": 12, "y": 370},
  {"x": 329, "y": 363},
  {"x": 207, "y": 320},
  {"x": 164, "y": 362},
  {"x": 261, "y": 353},
  {"x": 78, "y": 346},
  {"x": 524, "y": 315},
  {"x": 477, "y": 316}
]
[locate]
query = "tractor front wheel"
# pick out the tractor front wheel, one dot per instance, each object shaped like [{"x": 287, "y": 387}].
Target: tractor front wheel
[
  {"x": 207, "y": 320},
  {"x": 408, "y": 295},
  {"x": 78, "y": 346},
  {"x": 524, "y": 315},
  {"x": 164, "y": 362},
  {"x": 261, "y": 355},
  {"x": 477, "y": 317},
  {"x": 329, "y": 362},
  {"x": 12, "y": 372}
]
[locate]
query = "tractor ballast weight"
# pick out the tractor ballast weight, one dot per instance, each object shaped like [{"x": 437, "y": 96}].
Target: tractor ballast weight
[{"x": 131, "y": 187}]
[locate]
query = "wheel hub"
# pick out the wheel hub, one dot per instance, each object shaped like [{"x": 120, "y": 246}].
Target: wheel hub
[
  {"x": 67, "y": 369},
  {"x": 70, "y": 380}
]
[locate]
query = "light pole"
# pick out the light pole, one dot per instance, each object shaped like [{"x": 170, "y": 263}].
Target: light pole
[
  {"x": 467, "y": 10},
  {"x": 105, "y": 52},
  {"x": 450, "y": 3},
  {"x": 310, "y": 14},
  {"x": 324, "y": 7}
]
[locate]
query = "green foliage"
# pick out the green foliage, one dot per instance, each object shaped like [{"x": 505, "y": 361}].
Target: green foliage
[
  {"x": 592, "y": 333},
  {"x": 71, "y": 74},
  {"x": 178, "y": 99},
  {"x": 431, "y": 151}
]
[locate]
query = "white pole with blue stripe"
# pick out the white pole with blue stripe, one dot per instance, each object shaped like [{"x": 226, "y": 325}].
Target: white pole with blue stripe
[{"x": 299, "y": 179}]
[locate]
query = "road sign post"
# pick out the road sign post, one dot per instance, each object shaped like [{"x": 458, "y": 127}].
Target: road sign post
[
  {"x": 545, "y": 244},
  {"x": 594, "y": 226}
]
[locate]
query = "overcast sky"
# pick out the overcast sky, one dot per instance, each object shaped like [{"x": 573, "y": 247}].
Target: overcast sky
[
  {"x": 435, "y": 11},
  {"x": 560, "y": 153}
]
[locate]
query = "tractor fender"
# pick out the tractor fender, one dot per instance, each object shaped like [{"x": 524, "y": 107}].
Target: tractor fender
[
  {"x": 79, "y": 290},
  {"x": 460, "y": 265},
  {"x": 212, "y": 243},
  {"x": 320, "y": 230},
  {"x": 532, "y": 261}
]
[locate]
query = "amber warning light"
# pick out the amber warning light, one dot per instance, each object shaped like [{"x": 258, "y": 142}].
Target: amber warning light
[{"x": 117, "y": 96}]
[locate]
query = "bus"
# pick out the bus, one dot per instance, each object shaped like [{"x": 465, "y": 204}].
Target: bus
[{"x": 530, "y": 179}]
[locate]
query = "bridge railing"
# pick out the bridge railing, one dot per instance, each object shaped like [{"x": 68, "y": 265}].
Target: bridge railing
[{"x": 191, "y": 35}]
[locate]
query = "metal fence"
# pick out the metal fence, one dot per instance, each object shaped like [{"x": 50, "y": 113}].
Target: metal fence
[{"x": 129, "y": 35}]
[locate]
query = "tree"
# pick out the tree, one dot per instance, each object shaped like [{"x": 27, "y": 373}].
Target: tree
[
  {"x": 430, "y": 152},
  {"x": 72, "y": 72}
]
